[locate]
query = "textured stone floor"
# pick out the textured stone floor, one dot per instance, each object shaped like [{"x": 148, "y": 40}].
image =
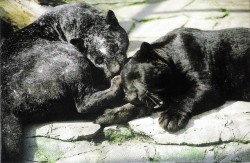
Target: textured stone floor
[{"x": 220, "y": 135}]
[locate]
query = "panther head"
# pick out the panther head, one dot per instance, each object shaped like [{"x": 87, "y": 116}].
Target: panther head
[
  {"x": 148, "y": 78},
  {"x": 105, "y": 44},
  {"x": 97, "y": 35}
]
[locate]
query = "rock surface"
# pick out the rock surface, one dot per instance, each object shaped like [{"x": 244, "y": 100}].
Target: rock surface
[
  {"x": 228, "y": 123},
  {"x": 219, "y": 135},
  {"x": 65, "y": 131}
]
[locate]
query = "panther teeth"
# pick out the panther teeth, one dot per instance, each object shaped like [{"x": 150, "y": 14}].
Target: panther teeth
[{"x": 156, "y": 106}]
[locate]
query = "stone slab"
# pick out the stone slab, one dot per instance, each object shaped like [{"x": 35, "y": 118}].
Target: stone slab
[
  {"x": 229, "y": 122},
  {"x": 219, "y": 135},
  {"x": 162, "y": 9},
  {"x": 42, "y": 149},
  {"x": 157, "y": 28},
  {"x": 126, "y": 153},
  {"x": 146, "y": 152},
  {"x": 208, "y": 5},
  {"x": 234, "y": 20},
  {"x": 127, "y": 25},
  {"x": 66, "y": 131}
]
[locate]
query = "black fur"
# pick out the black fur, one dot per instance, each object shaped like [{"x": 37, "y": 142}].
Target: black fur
[
  {"x": 189, "y": 71},
  {"x": 5, "y": 31},
  {"x": 58, "y": 66}
]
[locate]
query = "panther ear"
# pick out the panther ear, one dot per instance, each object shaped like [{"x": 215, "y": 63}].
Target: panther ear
[
  {"x": 79, "y": 43},
  {"x": 111, "y": 19},
  {"x": 146, "y": 52},
  {"x": 146, "y": 48}
]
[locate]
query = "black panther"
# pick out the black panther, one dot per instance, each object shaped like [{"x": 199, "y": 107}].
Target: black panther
[
  {"x": 186, "y": 72},
  {"x": 58, "y": 66}
]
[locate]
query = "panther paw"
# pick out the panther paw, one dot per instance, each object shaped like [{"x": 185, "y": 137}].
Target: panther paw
[
  {"x": 116, "y": 81},
  {"x": 173, "y": 122},
  {"x": 118, "y": 115}
]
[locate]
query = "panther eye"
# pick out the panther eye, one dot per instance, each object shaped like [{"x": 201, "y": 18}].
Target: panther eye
[
  {"x": 116, "y": 48},
  {"x": 99, "y": 60}
]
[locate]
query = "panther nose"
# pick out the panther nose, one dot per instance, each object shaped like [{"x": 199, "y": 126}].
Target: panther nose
[
  {"x": 115, "y": 68},
  {"x": 131, "y": 97}
]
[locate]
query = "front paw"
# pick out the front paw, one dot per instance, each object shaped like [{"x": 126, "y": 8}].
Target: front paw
[
  {"x": 107, "y": 118},
  {"x": 173, "y": 121},
  {"x": 117, "y": 115},
  {"x": 116, "y": 81}
]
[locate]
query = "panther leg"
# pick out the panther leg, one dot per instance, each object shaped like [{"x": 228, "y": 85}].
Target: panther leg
[
  {"x": 11, "y": 137},
  {"x": 122, "y": 114},
  {"x": 173, "y": 121},
  {"x": 101, "y": 99},
  {"x": 198, "y": 99}
]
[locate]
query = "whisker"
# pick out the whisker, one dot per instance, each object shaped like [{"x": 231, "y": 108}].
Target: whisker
[
  {"x": 157, "y": 105},
  {"x": 152, "y": 100},
  {"x": 156, "y": 98}
]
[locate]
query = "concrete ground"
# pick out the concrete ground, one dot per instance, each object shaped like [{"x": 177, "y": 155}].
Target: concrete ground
[{"x": 149, "y": 21}]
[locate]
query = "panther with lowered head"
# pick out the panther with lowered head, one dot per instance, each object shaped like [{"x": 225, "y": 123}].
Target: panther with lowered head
[
  {"x": 189, "y": 71},
  {"x": 58, "y": 66},
  {"x": 186, "y": 72}
]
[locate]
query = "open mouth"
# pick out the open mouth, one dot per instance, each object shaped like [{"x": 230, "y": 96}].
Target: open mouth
[
  {"x": 153, "y": 101},
  {"x": 156, "y": 100}
]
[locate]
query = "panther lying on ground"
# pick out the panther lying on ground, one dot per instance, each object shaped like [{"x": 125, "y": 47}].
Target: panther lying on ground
[
  {"x": 186, "y": 72},
  {"x": 58, "y": 66}
]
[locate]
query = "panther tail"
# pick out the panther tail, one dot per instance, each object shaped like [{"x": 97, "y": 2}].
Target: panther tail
[{"x": 11, "y": 136}]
